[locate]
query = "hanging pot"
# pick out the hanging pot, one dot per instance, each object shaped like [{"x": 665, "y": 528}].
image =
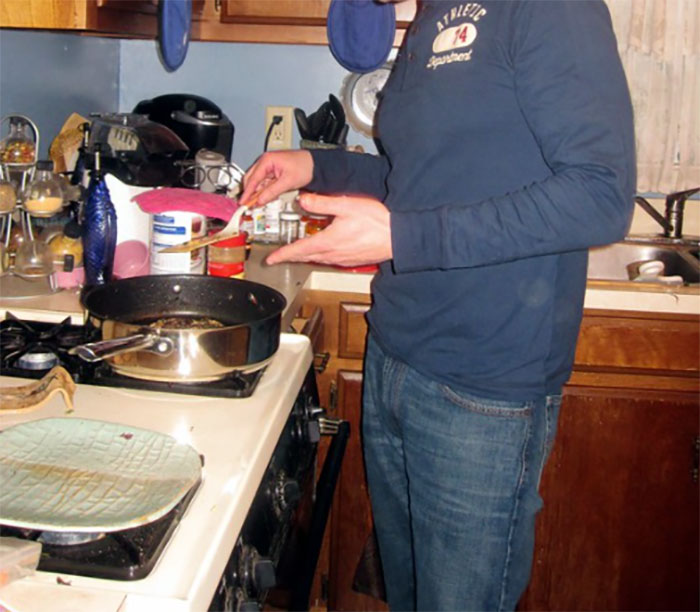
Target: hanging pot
[{"x": 184, "y": 328}]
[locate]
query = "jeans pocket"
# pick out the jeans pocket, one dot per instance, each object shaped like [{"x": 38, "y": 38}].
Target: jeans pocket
[{"x": 487, "y": 406}]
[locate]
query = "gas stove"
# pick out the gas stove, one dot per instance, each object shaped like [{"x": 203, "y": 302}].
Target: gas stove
[
  {"x": 222, "y": 544},
  {"x": 29, "y": 349}
]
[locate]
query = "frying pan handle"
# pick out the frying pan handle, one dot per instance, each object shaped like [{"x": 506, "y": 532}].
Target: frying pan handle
[{"x": 104, "y": 349}]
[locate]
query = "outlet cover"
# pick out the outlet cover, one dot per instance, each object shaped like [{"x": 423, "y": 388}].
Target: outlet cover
[{"x": 281, "y": 134}]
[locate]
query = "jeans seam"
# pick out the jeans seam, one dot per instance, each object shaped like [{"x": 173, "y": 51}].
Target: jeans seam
[
  {"x": 475, "y": 407},
  {"x": 515, "y": 517}
]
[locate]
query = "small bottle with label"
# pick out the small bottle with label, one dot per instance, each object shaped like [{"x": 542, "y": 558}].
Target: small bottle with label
[{"x": 272, "y": 220}]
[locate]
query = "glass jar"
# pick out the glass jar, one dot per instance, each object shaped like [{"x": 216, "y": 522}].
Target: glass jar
[
  {"x": 8, "y": 197},
  {"x": 43, "y": 196},
  {"x": 227, "y": 257},
  {"x": 18, "y": 146},
  {"x": 315, "y": 223},
  {"x": 68, "y": 243},
  {"x": 289, "y": 226}
]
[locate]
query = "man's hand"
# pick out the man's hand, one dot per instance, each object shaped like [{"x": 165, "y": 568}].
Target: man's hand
[
  {"x": 360, "y": 233},
  {"x": 276, "y": 173}
]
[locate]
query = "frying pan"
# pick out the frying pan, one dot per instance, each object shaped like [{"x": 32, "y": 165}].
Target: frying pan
[{"x": 124, "y": 311}]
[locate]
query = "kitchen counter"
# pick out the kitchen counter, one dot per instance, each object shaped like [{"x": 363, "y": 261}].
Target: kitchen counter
[{"x": 292, "y": 279}]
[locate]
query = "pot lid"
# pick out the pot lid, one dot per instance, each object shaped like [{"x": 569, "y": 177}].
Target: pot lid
[{"x": 82, "y": 475}]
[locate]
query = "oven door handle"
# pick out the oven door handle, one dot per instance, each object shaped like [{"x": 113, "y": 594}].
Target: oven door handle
[{"x": 325, "y": 489}]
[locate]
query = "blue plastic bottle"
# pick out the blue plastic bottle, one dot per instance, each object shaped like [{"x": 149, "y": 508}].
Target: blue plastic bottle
[{"x": 99, "y": 228}]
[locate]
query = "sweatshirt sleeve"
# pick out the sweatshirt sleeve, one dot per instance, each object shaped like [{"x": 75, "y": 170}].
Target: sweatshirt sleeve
[
  {"x": 573, "y": 94},
  {"x": 339, "y": 171}
]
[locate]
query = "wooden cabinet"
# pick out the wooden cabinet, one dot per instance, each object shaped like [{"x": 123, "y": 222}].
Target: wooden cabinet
[
  {"x": 619, "y": 530},
  {"x": 340, "y": 388},
  {"x": 135, "y": 18},
  {"x": 263, "y": 21},
  {"x": 280, "y": 21}
]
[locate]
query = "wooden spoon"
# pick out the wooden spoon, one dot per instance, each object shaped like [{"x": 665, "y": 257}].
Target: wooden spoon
[{"x": 231, "y": 229}]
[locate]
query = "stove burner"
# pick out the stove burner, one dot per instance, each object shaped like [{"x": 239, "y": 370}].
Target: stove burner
[
  {"x": 68, "y": 538},
  {"x": 37, "y": 359},
  {"x": 30, "y": 348},
  {"x": 130, "y": 554}
]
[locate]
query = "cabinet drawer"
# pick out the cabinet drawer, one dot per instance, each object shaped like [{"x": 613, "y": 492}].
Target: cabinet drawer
[
  {"x": 352, "y": 330},
  {"x": 640, "y": 341}
]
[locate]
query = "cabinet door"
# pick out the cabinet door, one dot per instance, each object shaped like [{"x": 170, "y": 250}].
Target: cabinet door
[
  {"x": 352, "y": 516},
  {"x": 619, "y": 529},
  {"x": 279, "y": 21},
  {"x": 306, "y": 12}
]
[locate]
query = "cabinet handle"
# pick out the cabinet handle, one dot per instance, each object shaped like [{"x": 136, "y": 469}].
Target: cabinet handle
[
  {"x": 321, "y": 362},
  {"x": 695, "y": 471}
]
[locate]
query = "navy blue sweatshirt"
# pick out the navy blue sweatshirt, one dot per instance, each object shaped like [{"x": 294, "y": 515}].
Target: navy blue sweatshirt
[{"x": 509, "y": 150}]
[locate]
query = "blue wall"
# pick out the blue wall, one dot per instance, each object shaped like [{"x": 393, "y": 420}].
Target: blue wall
[
  {"x": 240, "y": 78},
  {"x": 48, "y": 76}
]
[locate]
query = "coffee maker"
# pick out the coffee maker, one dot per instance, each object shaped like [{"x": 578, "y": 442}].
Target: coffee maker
[{"x": 197, "y": 121}]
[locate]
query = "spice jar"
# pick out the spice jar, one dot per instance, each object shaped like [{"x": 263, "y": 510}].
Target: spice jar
[
  {"x": 315, "y": 223},
  {"x": 227, "y": 257},
  {"x": 8, "y": 196},
  {"x": 18, "y": 146},
  {"x": 44, "y": 195},
  {"x": 67, "y": 243}
]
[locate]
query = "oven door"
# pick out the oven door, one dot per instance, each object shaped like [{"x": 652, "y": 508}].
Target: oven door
[
  {"x": 274, "y": 560},
  {"x": 275, "y": 557}
]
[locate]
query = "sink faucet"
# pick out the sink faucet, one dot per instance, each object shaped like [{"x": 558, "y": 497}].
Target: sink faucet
[{"x": 672, "y": 223}]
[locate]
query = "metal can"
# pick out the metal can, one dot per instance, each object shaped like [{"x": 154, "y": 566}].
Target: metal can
[{"x": 169, "y": 229}]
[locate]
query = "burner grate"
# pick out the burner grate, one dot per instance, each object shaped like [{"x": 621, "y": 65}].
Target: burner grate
[{"x": 120, "y": 555}]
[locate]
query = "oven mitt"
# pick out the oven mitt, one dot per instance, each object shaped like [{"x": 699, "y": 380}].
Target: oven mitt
[{"x": 360, "y": 33}]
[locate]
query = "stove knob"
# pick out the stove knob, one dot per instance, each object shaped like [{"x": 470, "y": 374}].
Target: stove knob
[
  {"x": 264, "y": 574},
  {"x": 248, "y": 605},
  {"x": 257, "y": 573},
  {"x": 287, "y": 493}
]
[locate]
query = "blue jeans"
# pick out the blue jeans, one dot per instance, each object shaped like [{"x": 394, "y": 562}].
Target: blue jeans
[{"x": 453, "y": 481}]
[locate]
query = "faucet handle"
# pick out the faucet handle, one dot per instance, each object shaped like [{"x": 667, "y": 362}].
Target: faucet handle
[
  {"x": 681, "y": 196},
  {"x": 675, "y": 202}
]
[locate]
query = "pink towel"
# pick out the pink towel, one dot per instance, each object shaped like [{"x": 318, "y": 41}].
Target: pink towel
[{"x": 186, "y": 200}]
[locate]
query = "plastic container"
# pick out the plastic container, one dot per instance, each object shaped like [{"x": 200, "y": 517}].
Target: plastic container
[
  {"x": 272, "y": 220},
  {"x": 131, "y": 259},
  {"x": 172, "y": 228},
  {"x": 227, "y": 257},
  {"x": 18, "y": 558}
]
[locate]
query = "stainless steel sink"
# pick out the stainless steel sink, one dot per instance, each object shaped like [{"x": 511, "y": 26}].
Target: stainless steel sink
[{"x": 629, "y": 261}]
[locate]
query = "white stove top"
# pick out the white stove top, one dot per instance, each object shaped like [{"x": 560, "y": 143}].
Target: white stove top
[{"x": 236, "y": 438}]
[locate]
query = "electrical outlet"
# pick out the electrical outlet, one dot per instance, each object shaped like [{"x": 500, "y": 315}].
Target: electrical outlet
[{"x": 281, "y": 134}]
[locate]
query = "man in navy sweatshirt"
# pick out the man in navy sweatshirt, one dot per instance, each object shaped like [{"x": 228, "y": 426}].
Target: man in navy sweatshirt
[{"x": 508, "y": 150}]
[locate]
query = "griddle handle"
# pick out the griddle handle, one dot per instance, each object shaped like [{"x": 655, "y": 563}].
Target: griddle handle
[{"x": 325, "y": 489}]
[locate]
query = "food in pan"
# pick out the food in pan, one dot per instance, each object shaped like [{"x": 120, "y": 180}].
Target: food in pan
[{"x": 175, "y": 322}]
